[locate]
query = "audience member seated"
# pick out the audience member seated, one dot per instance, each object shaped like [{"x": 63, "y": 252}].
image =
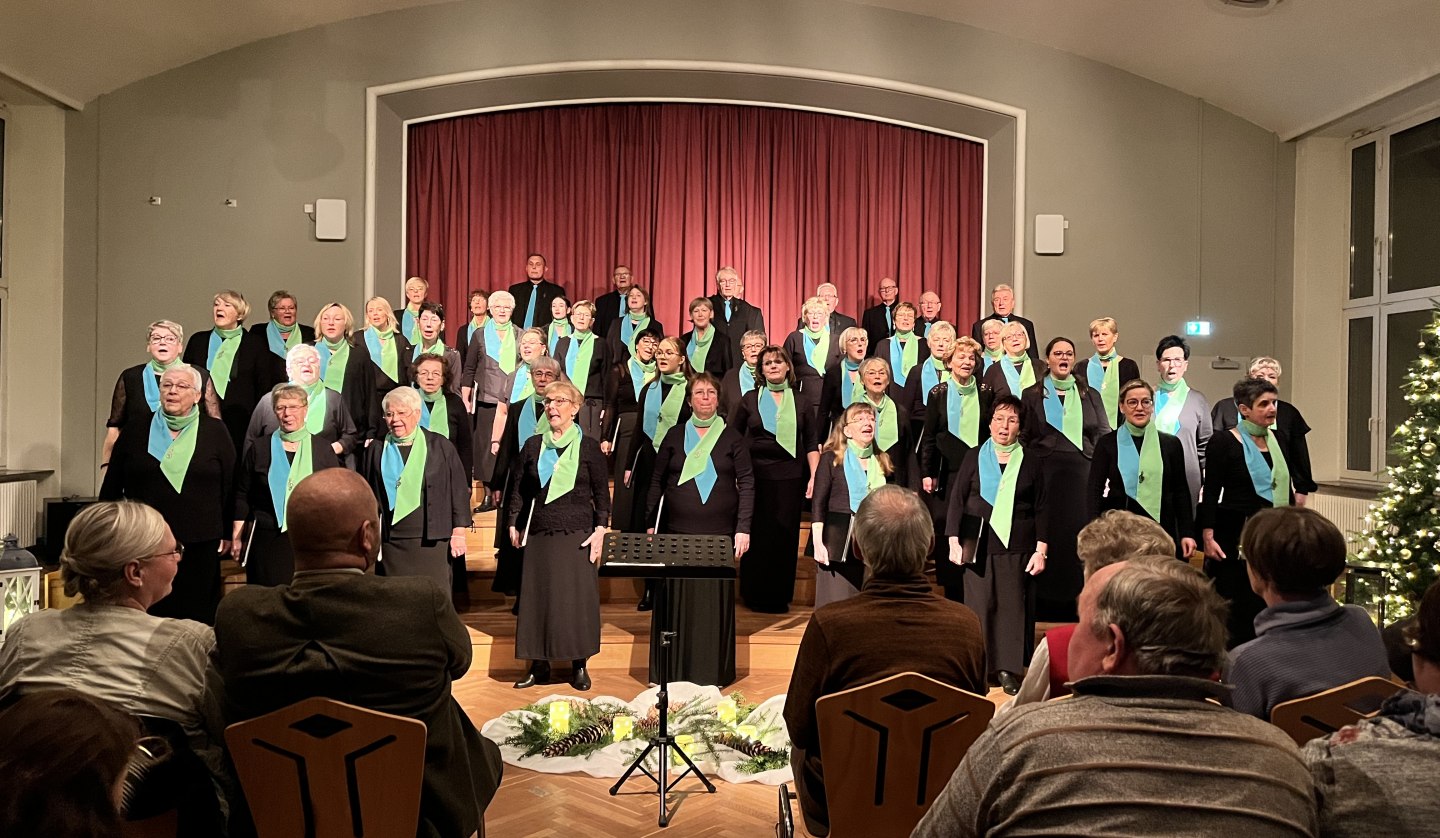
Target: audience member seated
[
  {"x": 1305, "y": 641},
  {"x": 120, "y": 558},
  {"x": 1122, "y": 756},
  {"x": 387, "y": 643},
  {"x": 895, "y": 624},
  {"x": 63, "y": 755},
  {"x": 1113, "y": 537},
  {"x": 1382, "y": 776}
]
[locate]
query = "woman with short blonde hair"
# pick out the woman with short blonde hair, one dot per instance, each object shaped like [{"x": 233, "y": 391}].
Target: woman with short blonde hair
[
  {"x": 1107, "y": 369},
  {"x": 389, "y": 354},
  {"x": 345, "y": 367},
  {"x": 1015, "y": 370}
]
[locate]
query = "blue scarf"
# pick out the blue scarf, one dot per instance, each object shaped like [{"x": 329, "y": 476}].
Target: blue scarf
[
  {"x": 530, "y": 306},
  {"x": 409, "y": 325},
  {"x": 521, "y": 386},
  {"x": 377, "y": 353},
  {"x": 849, "y": 395},
  {"x": 278, "y": 477},
  {"x": 930, "y": 375},
  {"x": 280, "y": 346},
  {"x": 747, "y": 378},
  {"x": 705, "y": 480},
  {"x": 150, "y": 378},
  {"x": 857, "y": 477},
  {"x": 524, "y": 430},
  {"x": 639, "y": 375}
]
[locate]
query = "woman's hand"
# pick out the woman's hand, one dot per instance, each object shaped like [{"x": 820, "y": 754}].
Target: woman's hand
[
  {"x": 822, "y": 555},
  {"x": 628, "y": 472},
  {"x": 1213, "y": 550},
  {"x": 515, "y": 538},
  {"x": 337, "y": 448},
  {"x": 596, "y": 543},
  {"x": 605, "y": 448},
  {"x": 742, "y": 543},
  {"x": 457, "y": 542},
  {"x": 237, "y": 538},
  {"x": 1036, "y": 565},
  {"x": 928, "y": 484},
  {"x": 810, "y": 488},
  {"x": 1187, "y": 547},
  {"x": 817, "y": 541},
  {"x": 495, "y": 498},
  {"x": 957, "y": 555}
]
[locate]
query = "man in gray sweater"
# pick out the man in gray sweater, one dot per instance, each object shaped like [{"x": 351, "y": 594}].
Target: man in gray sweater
[{"x": 1138, "y": 749}]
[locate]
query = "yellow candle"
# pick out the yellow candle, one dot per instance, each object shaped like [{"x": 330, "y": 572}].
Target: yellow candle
[
  {"x": 747, "y": 731},
  {"x": 725, "y": 709},
  {"x": 686, "y": 743},
  {"x": 624, "y": 727},
  {"x": 560, "y": 716}
]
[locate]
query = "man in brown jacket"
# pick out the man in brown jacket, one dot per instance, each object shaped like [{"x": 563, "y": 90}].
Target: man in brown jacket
[{"x": 895, "y": 624}]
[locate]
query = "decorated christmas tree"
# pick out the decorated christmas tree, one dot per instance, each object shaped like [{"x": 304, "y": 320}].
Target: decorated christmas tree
[{"x": 1403, "y": 535}]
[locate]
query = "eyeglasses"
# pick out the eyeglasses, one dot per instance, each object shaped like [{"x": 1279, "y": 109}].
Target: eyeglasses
[
  {"x": 398, "y": 414},
  {"x": 161, "y": 340},
  {"x": 558, "y": 400},
  {"x": 1060, "y": 353},
  {"x": 178, "y": 552},
  {"x": 171, "y": 386},
  {"x": 1139, "y": 402},
  {"x": 289, "y": 408}
]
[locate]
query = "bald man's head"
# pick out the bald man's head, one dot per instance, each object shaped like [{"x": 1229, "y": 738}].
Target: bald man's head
[{"x": 333, "y": 521}]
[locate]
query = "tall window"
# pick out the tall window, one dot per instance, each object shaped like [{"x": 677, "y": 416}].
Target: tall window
[
  {"x": 1394, "y": 275},
  {"x": 4, "y": 283}
]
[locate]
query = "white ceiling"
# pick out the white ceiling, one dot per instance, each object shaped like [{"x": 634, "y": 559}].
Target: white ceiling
[{"x": 1297, "y": 68}]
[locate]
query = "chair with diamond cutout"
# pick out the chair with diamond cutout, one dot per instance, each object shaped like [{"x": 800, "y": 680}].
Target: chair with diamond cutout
[{"x": 324, "y": 769}]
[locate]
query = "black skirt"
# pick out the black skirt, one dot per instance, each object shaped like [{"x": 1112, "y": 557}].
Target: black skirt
[
  {"x": 269, "y": 560},
  {"x": 767, "y": 570},
  {"x": 559, "y": 616},
  {"x": 842, "y": 578},
  {"x": 701, "y": 612}
]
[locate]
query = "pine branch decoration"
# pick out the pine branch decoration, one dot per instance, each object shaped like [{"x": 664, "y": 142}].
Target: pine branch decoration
[
  {"x": 592, "y": 734},
  {"x": 745, "y": 746}
]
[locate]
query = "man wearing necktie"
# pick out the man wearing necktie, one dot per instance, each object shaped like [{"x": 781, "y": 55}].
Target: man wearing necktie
[
  {"x": 733, "y": 314},
  {"x": 610, "y": 307},
  {"x": 533, "y": 296},
  {"x": 879, "y": 321},
  {"x": 1002, "y": 301}
]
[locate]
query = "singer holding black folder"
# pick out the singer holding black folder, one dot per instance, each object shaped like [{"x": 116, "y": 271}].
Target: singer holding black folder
[{"x": 851, "y": 467}]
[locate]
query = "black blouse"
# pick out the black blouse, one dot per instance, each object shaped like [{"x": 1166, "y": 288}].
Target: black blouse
[
  {"x": 1093, "y": 423},
  {"x": 204, "y": 508},
  {"x": 265, "y": 367},
  {"x": 941, "y": 452},
  {"x": 600, "y": 362},
  {"x": 732, "y": 500},
  {"x": 1228, "y": 485},
  {"x": 253, "y": 500},
  {"x": 582, "y": 509},
  {"x": 1029, "y": 519},
  {"x": 1107, "y": 485},
  {"x": 832, "y": 487},
  {"x": 769, "y": 457},
  {"x": 128, "y": 402}
]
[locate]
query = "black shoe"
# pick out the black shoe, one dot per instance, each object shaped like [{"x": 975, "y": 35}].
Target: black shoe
[
  {"x": 647, "y": 601},
  {"x": 580, "y": 679},
  {"x": 1009, "y": 682},
  {"x": 486, "y": 505},
  {"x": 539, "y": 674}
]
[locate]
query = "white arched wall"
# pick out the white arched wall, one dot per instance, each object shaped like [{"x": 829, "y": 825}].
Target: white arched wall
[{"x": 391, "y": 108}]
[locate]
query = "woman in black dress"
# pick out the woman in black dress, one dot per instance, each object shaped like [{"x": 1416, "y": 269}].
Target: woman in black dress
[
  {"x": 137, "y": 389},
  {"x": 637, "y": 320},
  {"x": 813, "y": 349},
  {"x": 181, "y": 462},
  {"x": 388, "y": 353},
  {"x": 707, "y": 346},
  {"x": 345, "y": 369},
  {"x": 1107, "y": 370},
  {"x": 556, "y": 510},
  {"x": 422, "y": 491},
  {"x": 1015, "y": 370},
  {"x": 782, "y": 439},
  {"x": 217, "y": 351},
  {"x": 524, "y": 418},
  {"x": 744, "y": 377},
  {"x": 702, "y": 485},
  {"x": 851, "y": 467},
  {"x": 892, "y": 421},
  {"x": 268, "y": 472},
  {"x": 328, "y": 416},
  {"x": 1141, "y": 469},
  {"x": 843, "y": 386},
  {"x": 954, "y": 424},
  {"x": 662, "y": 406},
  {"x": 628, "y": 377},
  {"x": 997, "y": 527},
  {"x": 585, "y": 356},
  {"x": 1247, "y": 469}
]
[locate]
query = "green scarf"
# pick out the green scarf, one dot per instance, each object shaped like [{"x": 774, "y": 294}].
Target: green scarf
[
  {"x": 1278, "y": 485},
  {"x": 224, "y": 357},
  {"x": 181, "y": 450},
  {"x": 700, "y": 348},
  {"x": 874, "y": 475},
  {"x": 414, "y": 312},
  {"x": 1150, "y": 474},
  {"x": 909, "y": 353},
  {"x": 438, "y": 419},
  {"x": 389, "y": 356},
  {"x": 887, "y": 422},
  {"x": 300, "y": 468},
  {"x": 315, "y": 406},
  {"x": 1110, "y": 385},
  {"x": 969, "y": 399},
  {"x": 335, "y": 367},
  {"x": 577, "y": 359},
  {"x": 785, "y": 418},
  {"x": 507, "y": 359},
  {"x": 411, "y": 484},
  {"x": 1169, "y": 400},
  {"x": 1072, "y": 423},
  {"x": 566, "y": 465},
  {"x": 821, "y": 350},
  {"x": 1002, "y": 516},
  {"x": 669, "y": 408},
  {"x": 699, "y": 456},
  {"x": 436, "y": 348}
]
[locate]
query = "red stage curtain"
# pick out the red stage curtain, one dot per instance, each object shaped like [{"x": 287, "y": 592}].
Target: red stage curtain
[{"x": 789, "y": 198}]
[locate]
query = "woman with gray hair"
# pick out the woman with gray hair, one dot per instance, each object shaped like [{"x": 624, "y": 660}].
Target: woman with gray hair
[
  {"x": 744, "y": 376},
  {"x": 181, "y": 462},
  {"x": 269, "y": 471},
  {"x": 137, "y": 390},
  {"x": 423, "y": 493},
  {"x": 485, "y": 385},
  {"x": 1225, "y": 415},
  {"x": 328, "y": 417},
  {"x": 121, "y": 559}
]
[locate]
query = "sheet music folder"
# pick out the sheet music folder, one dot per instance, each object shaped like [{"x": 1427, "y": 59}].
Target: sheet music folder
[{"x": 668, "y": 556}]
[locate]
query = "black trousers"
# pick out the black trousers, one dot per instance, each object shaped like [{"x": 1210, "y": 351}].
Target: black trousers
[
  {"x": 767, "y": 570},
  {"x": 195, "y": 593}
]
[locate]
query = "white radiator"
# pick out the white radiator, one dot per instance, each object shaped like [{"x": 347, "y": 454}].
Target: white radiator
[
  {"x": 20, "y": 510},
  {"x": 1347, "y": 513}
]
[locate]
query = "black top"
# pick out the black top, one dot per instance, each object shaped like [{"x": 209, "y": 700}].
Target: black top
[
  {"x": 1107, "y": 485},
  {"x": 1093, "y": 423},
  {"x": 876, "y": 326},
  {"x": 358, "y": 391},
  {"x": 508, "y": 454},
  {"x": 832, "y": 487},
  {"x": 619, "y": 397},
  {"x": 832, "y": 391},
  {"x": 732, "y": 499},
  {"x": 582, "y": 509},
  {"x": 1129, "y": 371},
  {"x": 545, "y": 291},
  {"x": 128, "y": 402},
  {"x": 253, "y": 500},
  {"x": 445, "y": 497},
  {"x": 1033, "y": 351},
  {"x": 1029, "y": 521},
  {"x": 382, "y": 383},
  {"x": 743, "y": 318},
  {"x": 608, "y": 308},
  {"x": 204, "y": 508},
  {"x": 600, "y": 362},
  {"x": 239, "y": 399},
  {"x": 941, "y": 452},
  {"x": 811, "y": 382},
  {"x": 1227, "y": 481},
  {"x": 461, "y": 343},
  {"x": 838, "y": 322},
  {"x": 640, "y": 438},
  {"x": 730, "y": 390},
  {"x": 717, "y": 360},
  {"x": 904, "y": 392},
  {"x": 995, "y": 379},
  {"x": 265, "y": 367},
  {"x": 1224, "y": 416},
  {"x": 461, "y": 434},
  {"x": 770, "y": 459}
]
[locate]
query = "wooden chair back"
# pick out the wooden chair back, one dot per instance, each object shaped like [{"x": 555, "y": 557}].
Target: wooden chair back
[
  {"x": 889, "y": 747},
  {"x": 324, "y": 769},
  {"x": 1326, "y": 712}
]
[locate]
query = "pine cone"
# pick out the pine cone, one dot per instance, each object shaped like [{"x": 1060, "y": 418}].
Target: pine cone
[
  {"x": 745, "y": 746},
  {"x": 584, "y": 736}
]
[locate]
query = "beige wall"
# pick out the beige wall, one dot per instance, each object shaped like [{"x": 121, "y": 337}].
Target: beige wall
[
  {"x": 33, "y": 401},
  {"x": 1172, "y": 203}
]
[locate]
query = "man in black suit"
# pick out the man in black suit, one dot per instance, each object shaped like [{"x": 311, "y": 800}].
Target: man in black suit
[
  {"x": 929, "y": 313},
  {"x": 610, "y": 306},
  {"x": 1002, "y": 300},
  {"x": 392, "y": 644},
  {"x": 879, "y": 321},
  {"x": 533, "y": 296},
  {"x": 734, "y": 315},
  {"x": 838, "y": 322}
]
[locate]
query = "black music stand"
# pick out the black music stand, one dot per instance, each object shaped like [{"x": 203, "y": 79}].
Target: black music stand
[{"x": 663, "y": 557}]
